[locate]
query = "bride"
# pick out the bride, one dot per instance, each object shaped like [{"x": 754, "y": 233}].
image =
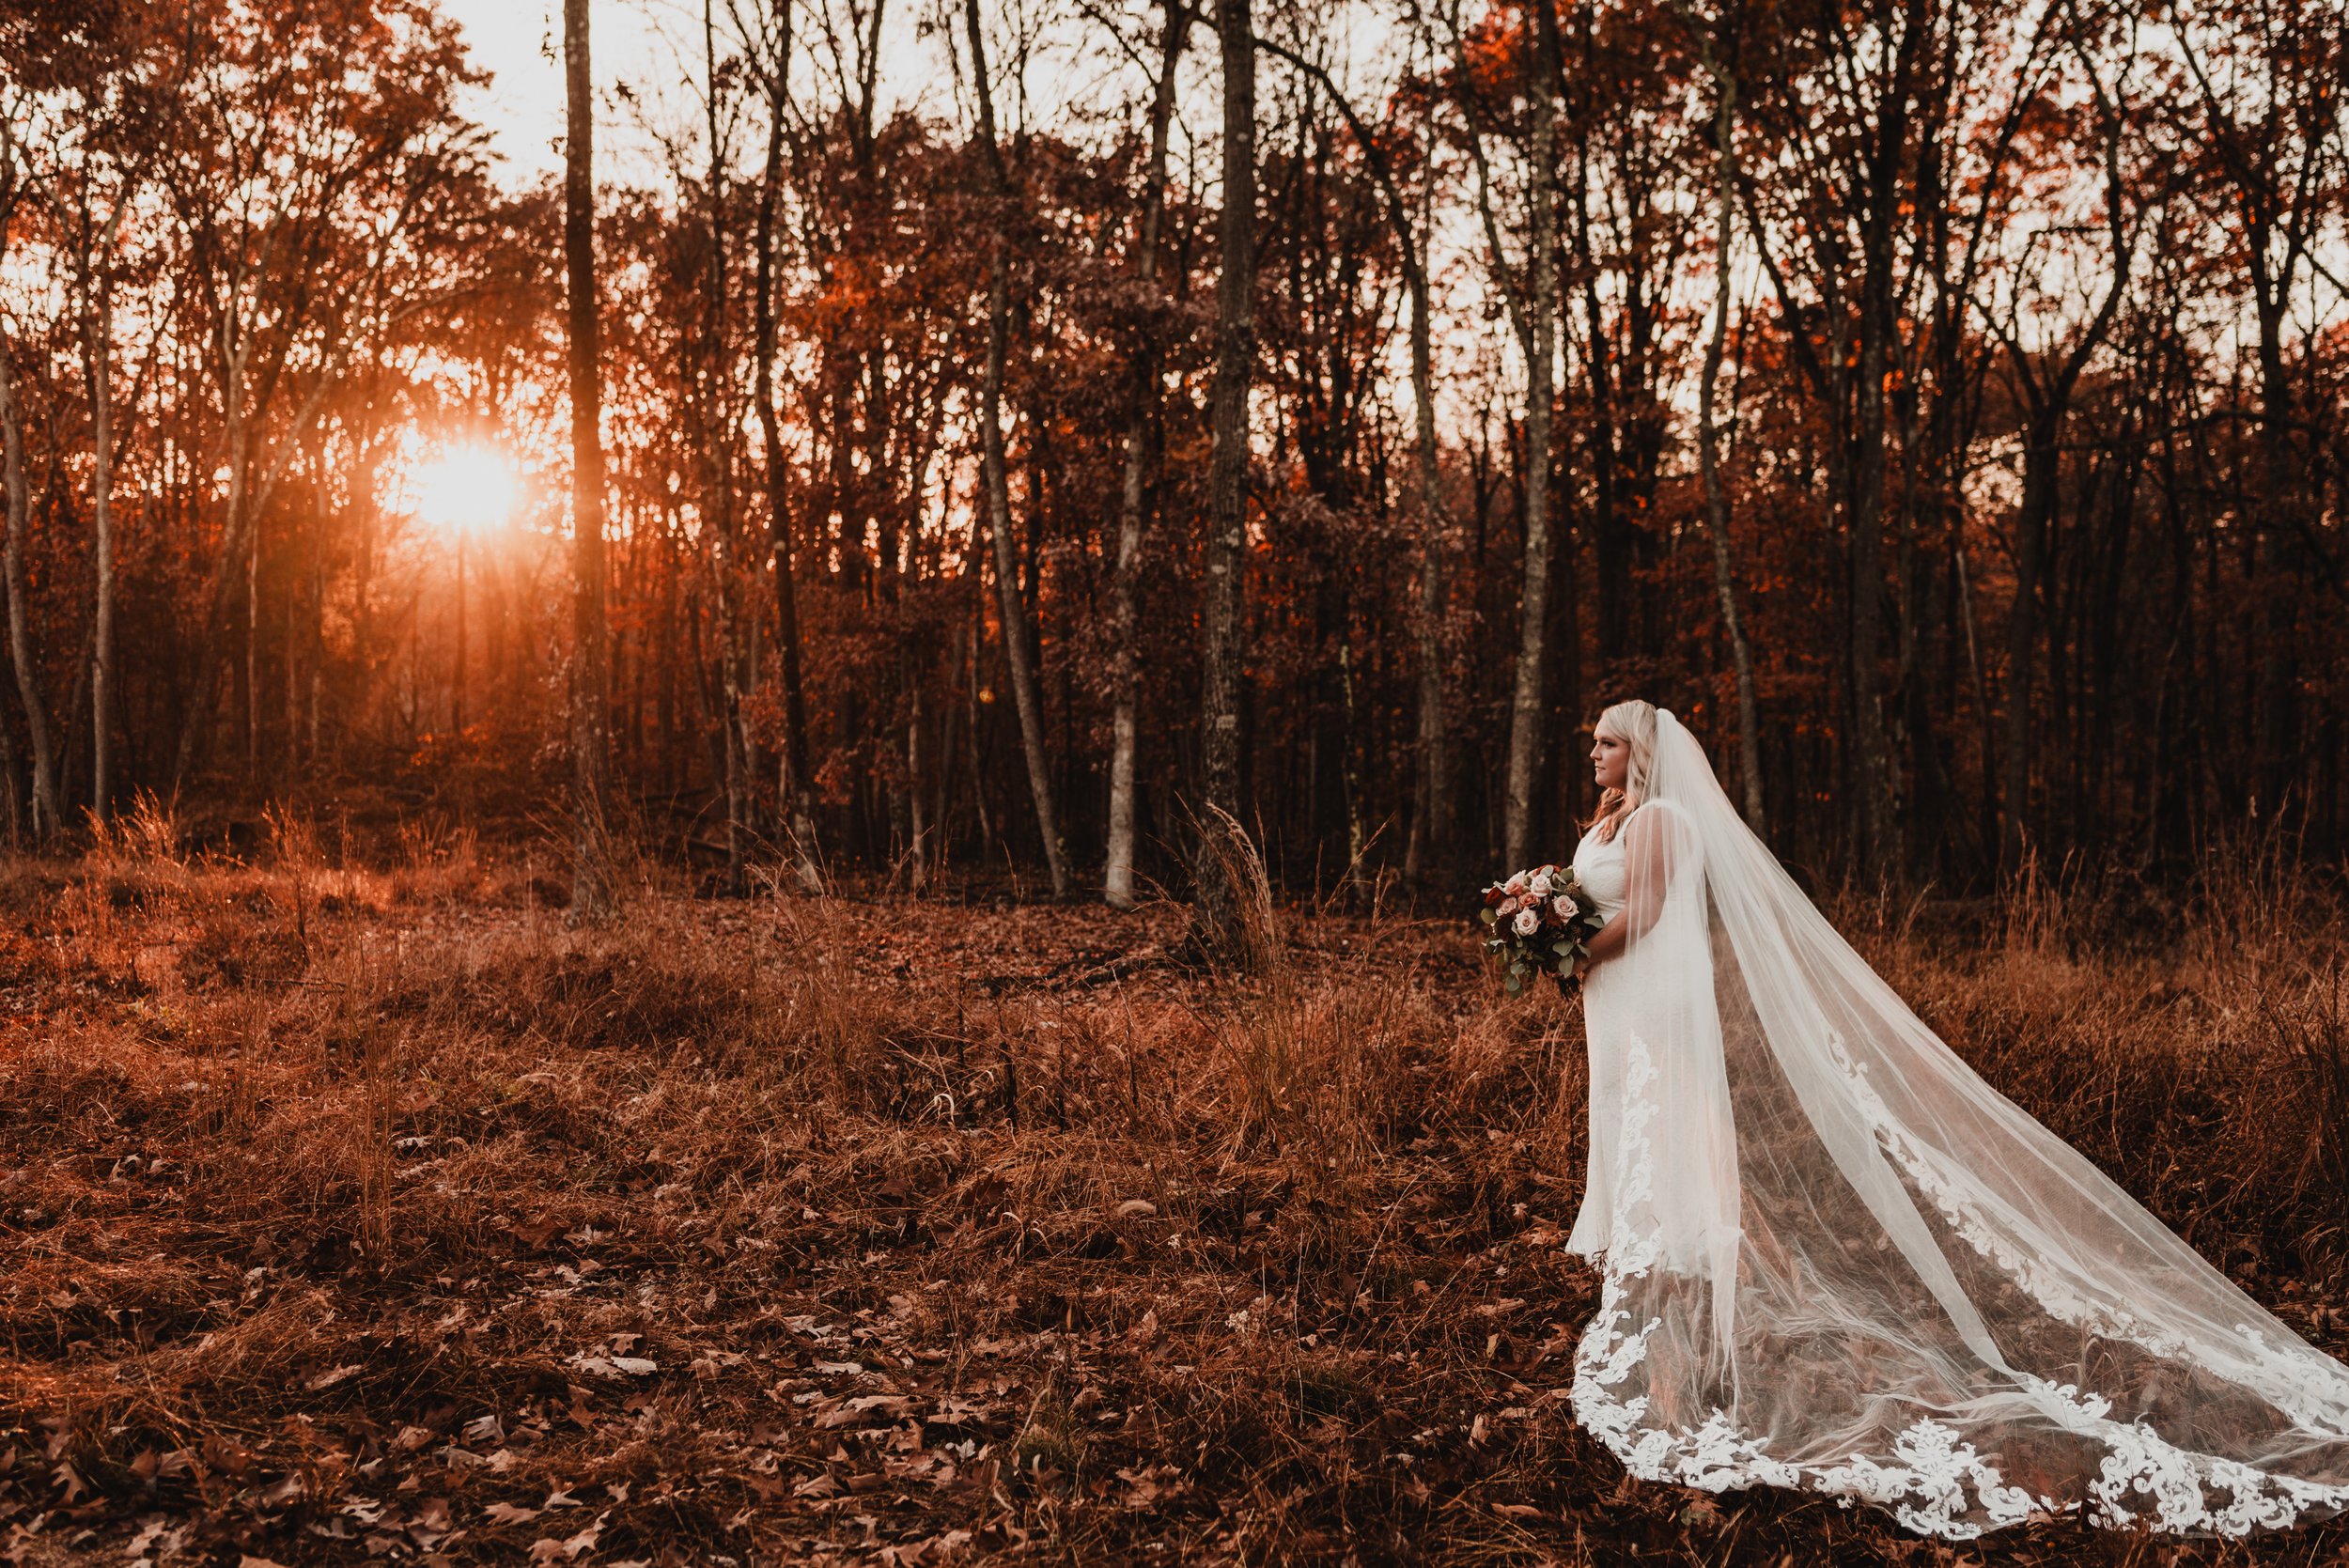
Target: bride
[{"x": 1834, "y": 1259}]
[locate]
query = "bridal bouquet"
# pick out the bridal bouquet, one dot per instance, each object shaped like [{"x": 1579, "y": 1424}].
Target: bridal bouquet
[{"x": 1541, "y": 922}]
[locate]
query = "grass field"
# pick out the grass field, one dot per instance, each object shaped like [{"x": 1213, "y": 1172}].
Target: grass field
[{"x": 372, "y": 1213}]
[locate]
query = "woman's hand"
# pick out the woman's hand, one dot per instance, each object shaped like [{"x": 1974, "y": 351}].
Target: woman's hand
[{"x": 1603, "y": 945}]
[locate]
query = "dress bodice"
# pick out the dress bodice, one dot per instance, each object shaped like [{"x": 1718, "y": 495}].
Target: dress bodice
[{"x": 1600, "y": 868}]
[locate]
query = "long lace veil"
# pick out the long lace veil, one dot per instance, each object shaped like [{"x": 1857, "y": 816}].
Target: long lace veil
[{"x": 1892, "y": 1285}]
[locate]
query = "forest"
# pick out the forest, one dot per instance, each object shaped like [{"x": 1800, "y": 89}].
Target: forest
[
  {"x": 755, "y": 844},
  {"x": 1939, "y": 404}
]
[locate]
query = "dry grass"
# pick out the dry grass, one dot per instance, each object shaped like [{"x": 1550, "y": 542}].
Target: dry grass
[{"x": 373, "y": 1212}]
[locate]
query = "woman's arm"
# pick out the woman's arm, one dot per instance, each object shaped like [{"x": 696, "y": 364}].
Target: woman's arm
[{"x": 1609, "y": 942}]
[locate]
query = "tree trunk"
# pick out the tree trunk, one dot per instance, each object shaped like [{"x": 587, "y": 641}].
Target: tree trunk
[
  {"x": 796, "y": 790},
  {"x": 100, "y": 353},
  {"x": 46, "y": 821},
  {"x": 456, "y": 705},
  {"x": 1526, "y": 714},
  {"x": 1215, "y": 925},
  {"x": 917, "y": 848},
  {"x": 1870, "y": 755},
  {"x": 1431, "y": 823},
  {"x": 2022, "y": 632},
  {"x": 718, "y": 470},
  {"x": 249, "y": 673},
  {"x": 2282, "y": 507},
  {"x": 1357, "y": 875},
  {"x": 591, "y": 889},
  {"x": 1871, "y": 779},
  {"x": 222, "y": 596},
  {"x": 1026, "y": 696},
  {"x": 1117, "y": 881},
  {"x": 974, "y": 633}
]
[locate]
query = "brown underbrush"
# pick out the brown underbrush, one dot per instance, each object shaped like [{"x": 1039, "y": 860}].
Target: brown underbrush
[{"x": 357, "y": 1214}]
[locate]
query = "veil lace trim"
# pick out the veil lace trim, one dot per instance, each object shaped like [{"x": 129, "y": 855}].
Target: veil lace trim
[
  {"x": 1933, "y": 1481},
  {"x": 2305, "y": 1394}
]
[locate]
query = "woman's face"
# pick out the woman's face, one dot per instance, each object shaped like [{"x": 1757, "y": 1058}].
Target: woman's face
[{"x": 1610, "y": 759}]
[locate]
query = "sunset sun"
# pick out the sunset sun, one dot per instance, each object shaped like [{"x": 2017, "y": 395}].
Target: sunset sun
[{"x": 464, "y": 490}]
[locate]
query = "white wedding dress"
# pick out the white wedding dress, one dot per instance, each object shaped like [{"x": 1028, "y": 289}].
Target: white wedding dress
[{"x": 1834, "y": 1259}]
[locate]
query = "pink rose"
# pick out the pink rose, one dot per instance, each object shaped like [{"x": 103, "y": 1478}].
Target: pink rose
[
  {"x": 1565, "y": 907},
  {"x": 1528, "y": 923}
]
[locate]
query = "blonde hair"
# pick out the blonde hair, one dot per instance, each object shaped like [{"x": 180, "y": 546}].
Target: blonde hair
[{"x": 1632, "y": 722}]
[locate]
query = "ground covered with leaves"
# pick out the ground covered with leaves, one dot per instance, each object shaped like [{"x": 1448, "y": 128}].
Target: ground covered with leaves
[{"x": 377, "y": 1214}]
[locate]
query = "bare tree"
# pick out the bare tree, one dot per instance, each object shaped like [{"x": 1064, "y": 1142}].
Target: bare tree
[
  {"x": 98, "y": 357},
  {"x": 1848, "y": 132},
  {"x": 591, "y": 890},
  {"x": 1117, "y": 881},
  {"x": 713, "y": 372},
  {"x": 46, "y": 821},
  {"x": 1714, "y": 54},
  {"x": 96, "y": 235},
  {"x": 45, "y": 818},
  {"x": 771, "y": 58},
  {"x": 1018, "y": 648},
  {"x": 2273, "y": 138},
  {"x": 1533, "y": 310},
  {"x": 101, "y": 153},
  {"x": 1215, "y": 924},
  {"x": 2044, "y": 383}
]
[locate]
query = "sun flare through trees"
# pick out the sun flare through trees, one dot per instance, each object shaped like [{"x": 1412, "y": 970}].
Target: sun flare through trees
[{"x": 1980, "y": 364}]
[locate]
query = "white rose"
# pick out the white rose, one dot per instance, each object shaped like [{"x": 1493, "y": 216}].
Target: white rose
[
  {"x": 1565, "y": 907},
  {"x": 1540, "y": 885},
  {"x": 1515, "y": 885},
  {"x": 1528, "y": 923}
]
